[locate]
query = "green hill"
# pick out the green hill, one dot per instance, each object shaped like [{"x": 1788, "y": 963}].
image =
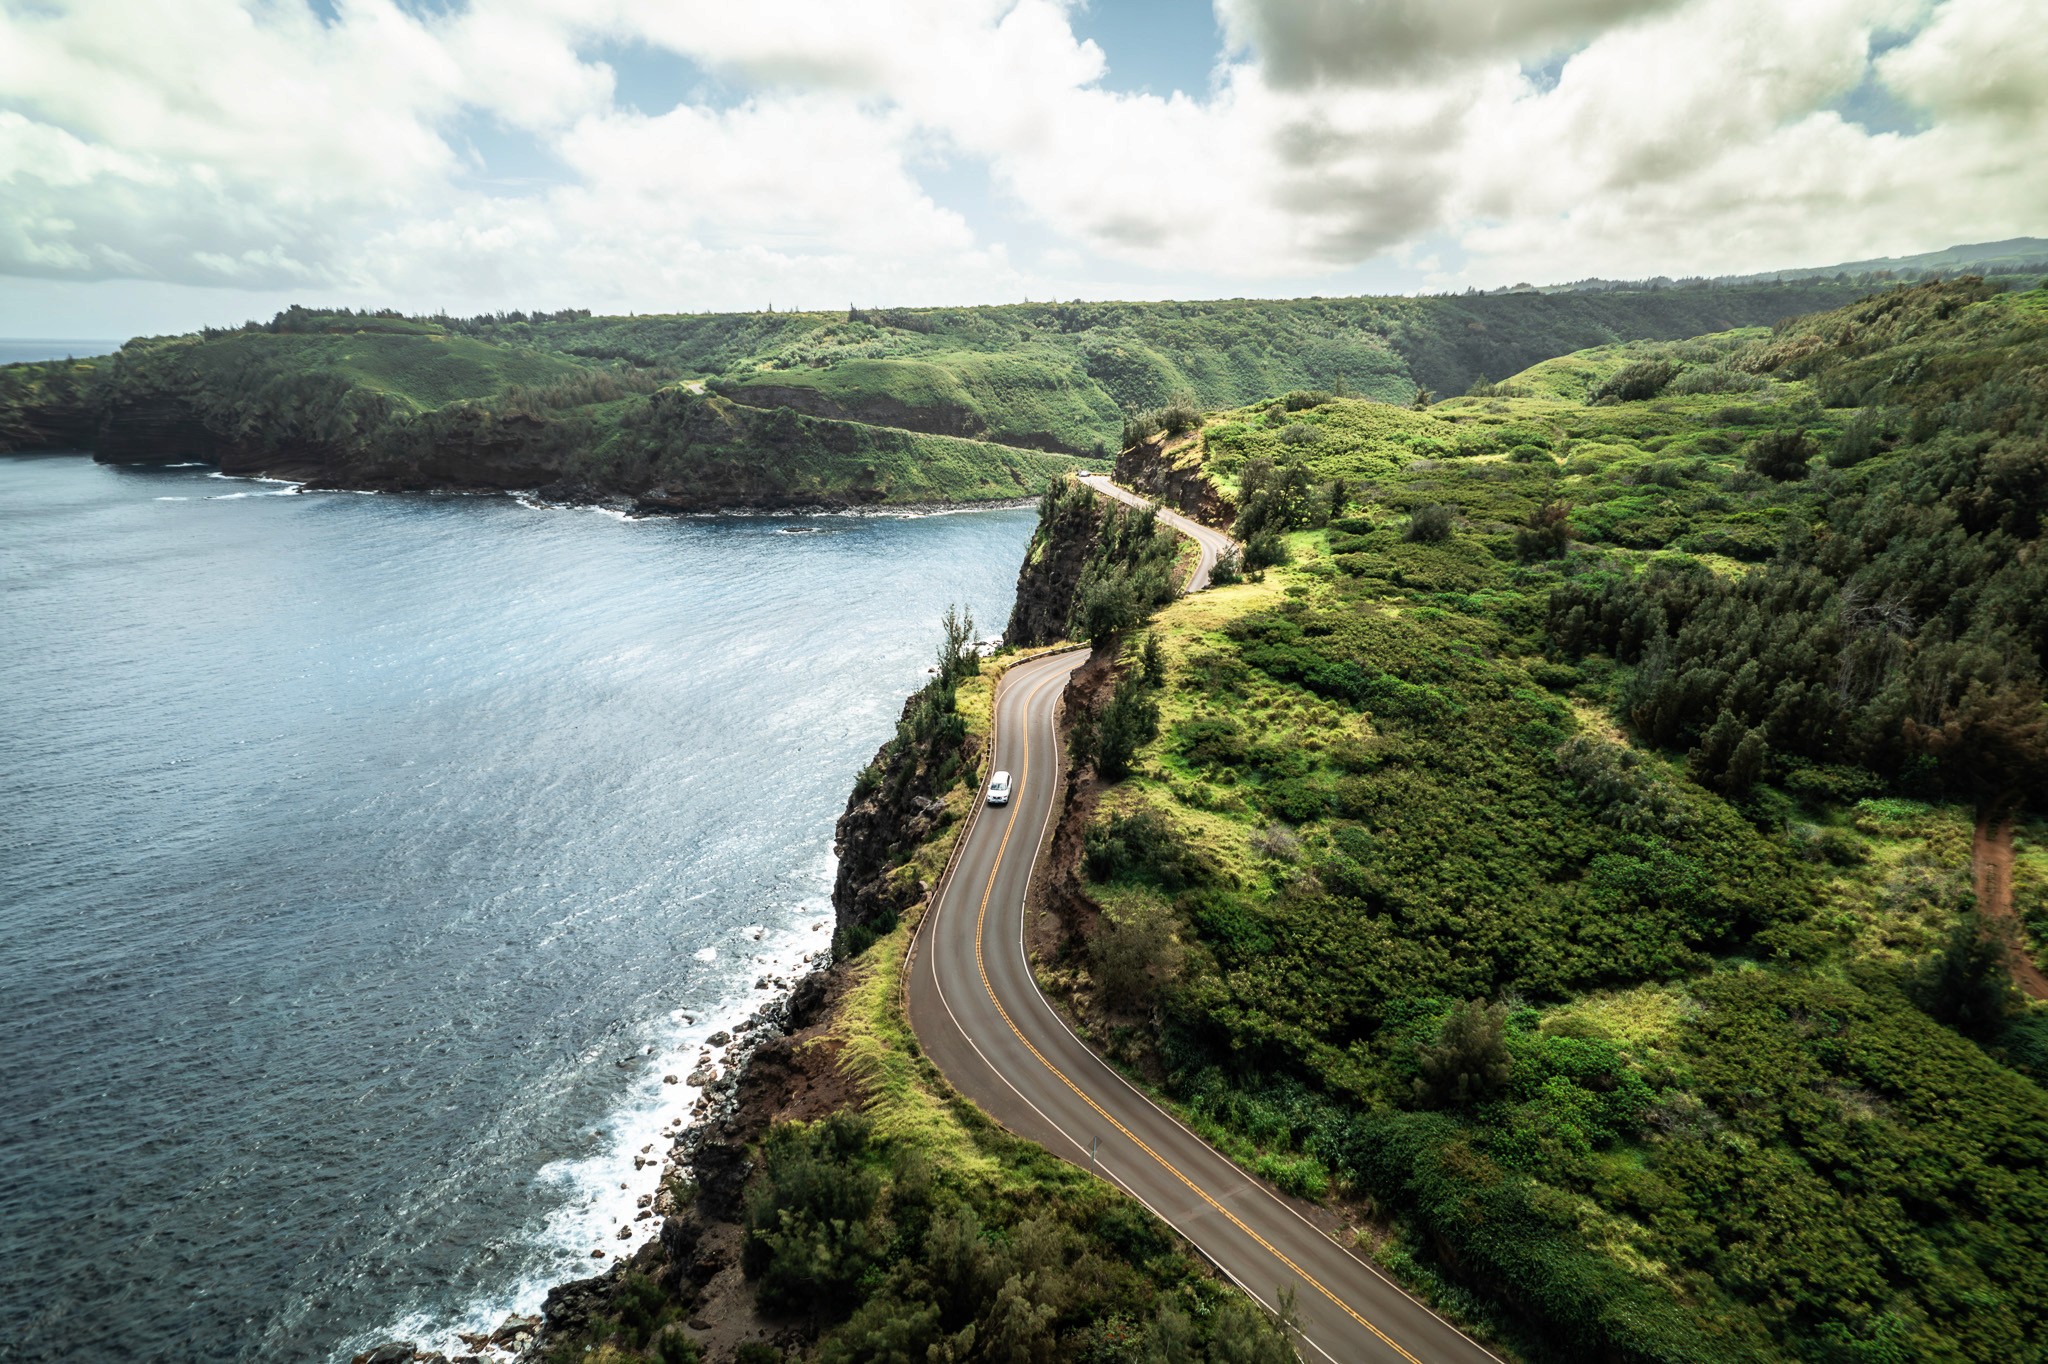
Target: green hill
[
  {"x": 1564, "y": 853},
  {"x": 1064, "y": 375},
  {"x": 393, "y": 403},
  {"x": 379, "y": 400}
]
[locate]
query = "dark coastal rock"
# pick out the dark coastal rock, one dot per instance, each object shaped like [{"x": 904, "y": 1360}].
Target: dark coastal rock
[
  {"x": 881, "y": 829},
  {"x": 721, "y": 1172},
  {"x": 806, "y": 1002},
  {"x": 569, "y": 1307},
  {"x": 718, "y": 1039},
  {"x": 391, "y": 1352}
]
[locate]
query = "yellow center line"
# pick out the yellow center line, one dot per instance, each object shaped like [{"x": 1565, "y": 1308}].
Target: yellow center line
[{"x": 980, "y": 923}]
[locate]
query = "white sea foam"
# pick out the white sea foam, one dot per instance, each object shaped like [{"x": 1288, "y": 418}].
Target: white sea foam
[
  {"x": 599, "y": 1194},
  {"x": 534, "y": 502}
]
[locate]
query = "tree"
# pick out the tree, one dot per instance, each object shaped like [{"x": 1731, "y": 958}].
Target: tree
[
  {"x": 1264, "y": 550},
  {"x": 1429, "y": 523},
  {"x": 1746, "y": 764},
  {"x": 1151, "y": 662},
  {"x": 1016, "y": 1330},
  {"x": 1127, "y": 723},
  {"x": 1108, "y": 603},
  {"x": 1469, "y": 1060},
  {"x": 958, "y": 658},
  {"x": 1547, "y": 534},
  {"x": 1968, "y": 985},
  {"x": 1781, "y": 456}
]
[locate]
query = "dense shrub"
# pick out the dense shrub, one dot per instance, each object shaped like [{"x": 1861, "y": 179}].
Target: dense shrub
[
  {"x": 1781, "y": 456},
  {"x": 1634, "y": 382},
  {"x": 1264, "y": 549},
  {"x": 1547, "y": 534},
  {"x": 1429, "y": 523},
  {"x": 1469, "y": 1061},
  {"x": 1716, "y": 379}
]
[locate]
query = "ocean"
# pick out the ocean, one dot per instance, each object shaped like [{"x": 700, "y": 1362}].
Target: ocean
[{"x": 366, "y": 861}]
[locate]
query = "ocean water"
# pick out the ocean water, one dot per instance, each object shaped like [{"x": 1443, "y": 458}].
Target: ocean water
[
  {"x": 365, "y": 862},
  {"x": 14, "y": 349}
]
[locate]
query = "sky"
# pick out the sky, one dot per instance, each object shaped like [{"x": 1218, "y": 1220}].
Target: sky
[{"x": 164, "y": 166}]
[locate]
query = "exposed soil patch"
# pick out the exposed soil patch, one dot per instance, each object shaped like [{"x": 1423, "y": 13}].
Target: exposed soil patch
[{"x": 1992, "y": 859}]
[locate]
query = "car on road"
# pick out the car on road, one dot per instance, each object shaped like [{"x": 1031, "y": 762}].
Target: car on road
[{"x": 999, "y": 789}]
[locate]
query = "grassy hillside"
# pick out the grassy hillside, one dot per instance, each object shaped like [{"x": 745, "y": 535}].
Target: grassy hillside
[
  {"x": 1063, "y": 375},
  {"x": 386, "y": 402},
  {"x": 1565, "y": 854}
]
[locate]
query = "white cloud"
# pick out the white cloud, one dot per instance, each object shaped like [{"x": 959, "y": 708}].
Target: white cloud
[{"x": 247, "y": 143}]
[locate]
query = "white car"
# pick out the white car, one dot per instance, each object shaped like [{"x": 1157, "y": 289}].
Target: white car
[{"x": 999, "y": 789}]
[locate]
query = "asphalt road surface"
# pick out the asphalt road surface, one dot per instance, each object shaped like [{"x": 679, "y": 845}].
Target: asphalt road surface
[
  {"x": 1212, "y": 542},
  {"x": 980, "y": 1017}
]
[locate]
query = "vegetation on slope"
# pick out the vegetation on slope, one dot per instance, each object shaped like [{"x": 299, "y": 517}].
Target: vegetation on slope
[
  {"x": 899, "y": 1224},
  {"x": 1566, "y": 854},
  {"x": 1064, "y": 375},
  {"x": 387, "y": 402}
]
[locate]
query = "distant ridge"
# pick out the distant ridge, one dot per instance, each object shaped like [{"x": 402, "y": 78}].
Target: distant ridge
[{"x": 2014, "y": 256}]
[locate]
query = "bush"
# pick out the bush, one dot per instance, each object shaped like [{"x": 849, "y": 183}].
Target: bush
[
  {"x": 1125, "y": 725},
  {"x": 1133, "y": 954},
  {"x": 1716, "y": 379},
  {"x": 1227, "y": 569},
  {"x": 1264, "y": 550},
  {"x": 1469, "y": 1060},
  {"x": 1859, "y": 440},
  {"x": 1548, "y": 533},
  {"x": 1968, "y": 985},
  {"x": 1633, "y": 383},
  {"x": 1781, "y": 456},
  {"x": 812, "y": 1236},
  {"x": 1301, "y": 399},
  {"x": 1429, "y": 523},
  {"x": 1300, "y": 433}
]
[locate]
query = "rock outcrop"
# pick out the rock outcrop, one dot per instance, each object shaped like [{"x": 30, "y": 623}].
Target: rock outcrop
[
  {"x": 897, "y": 806},
  {"x": 1172, "y": 473},
  {"x": 1070, "y": 520}
]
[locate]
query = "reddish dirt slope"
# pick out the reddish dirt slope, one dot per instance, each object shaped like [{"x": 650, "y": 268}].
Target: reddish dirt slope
[{"x": 1992, "y": 857}]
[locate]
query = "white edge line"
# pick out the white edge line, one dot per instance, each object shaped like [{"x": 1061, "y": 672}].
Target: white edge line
[{"x": 939, "y": 911}]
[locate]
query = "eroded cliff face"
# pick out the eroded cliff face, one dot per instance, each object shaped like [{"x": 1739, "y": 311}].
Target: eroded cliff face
[
  {"x": 896, "y": 808},
  {"x": 1070, "y": 520},
  {"x": 1172, "y": 473}
]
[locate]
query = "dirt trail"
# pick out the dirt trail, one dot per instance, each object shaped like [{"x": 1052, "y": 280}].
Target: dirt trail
[{"x": 1992, "y": 859}]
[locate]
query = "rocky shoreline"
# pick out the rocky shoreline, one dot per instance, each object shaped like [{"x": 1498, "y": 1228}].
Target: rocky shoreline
[
  {"x": 756, "y": 1080},
  {"x": 779, "y": 1064}
]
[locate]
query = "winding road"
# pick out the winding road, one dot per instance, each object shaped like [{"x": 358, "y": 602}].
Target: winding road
[
  {"x": 980, "y": 1016},
  {"x": 1213, "y": 543}
]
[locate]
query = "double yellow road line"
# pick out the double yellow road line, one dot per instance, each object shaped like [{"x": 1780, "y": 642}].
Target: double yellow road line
[{"x": 980, "y": 934}]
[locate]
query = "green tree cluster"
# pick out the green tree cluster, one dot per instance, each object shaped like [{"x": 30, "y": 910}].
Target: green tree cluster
[{"x": 893, "y": 1261}]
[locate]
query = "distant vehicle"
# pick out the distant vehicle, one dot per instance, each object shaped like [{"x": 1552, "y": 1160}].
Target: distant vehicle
[{"x": 999, "y": 789}]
